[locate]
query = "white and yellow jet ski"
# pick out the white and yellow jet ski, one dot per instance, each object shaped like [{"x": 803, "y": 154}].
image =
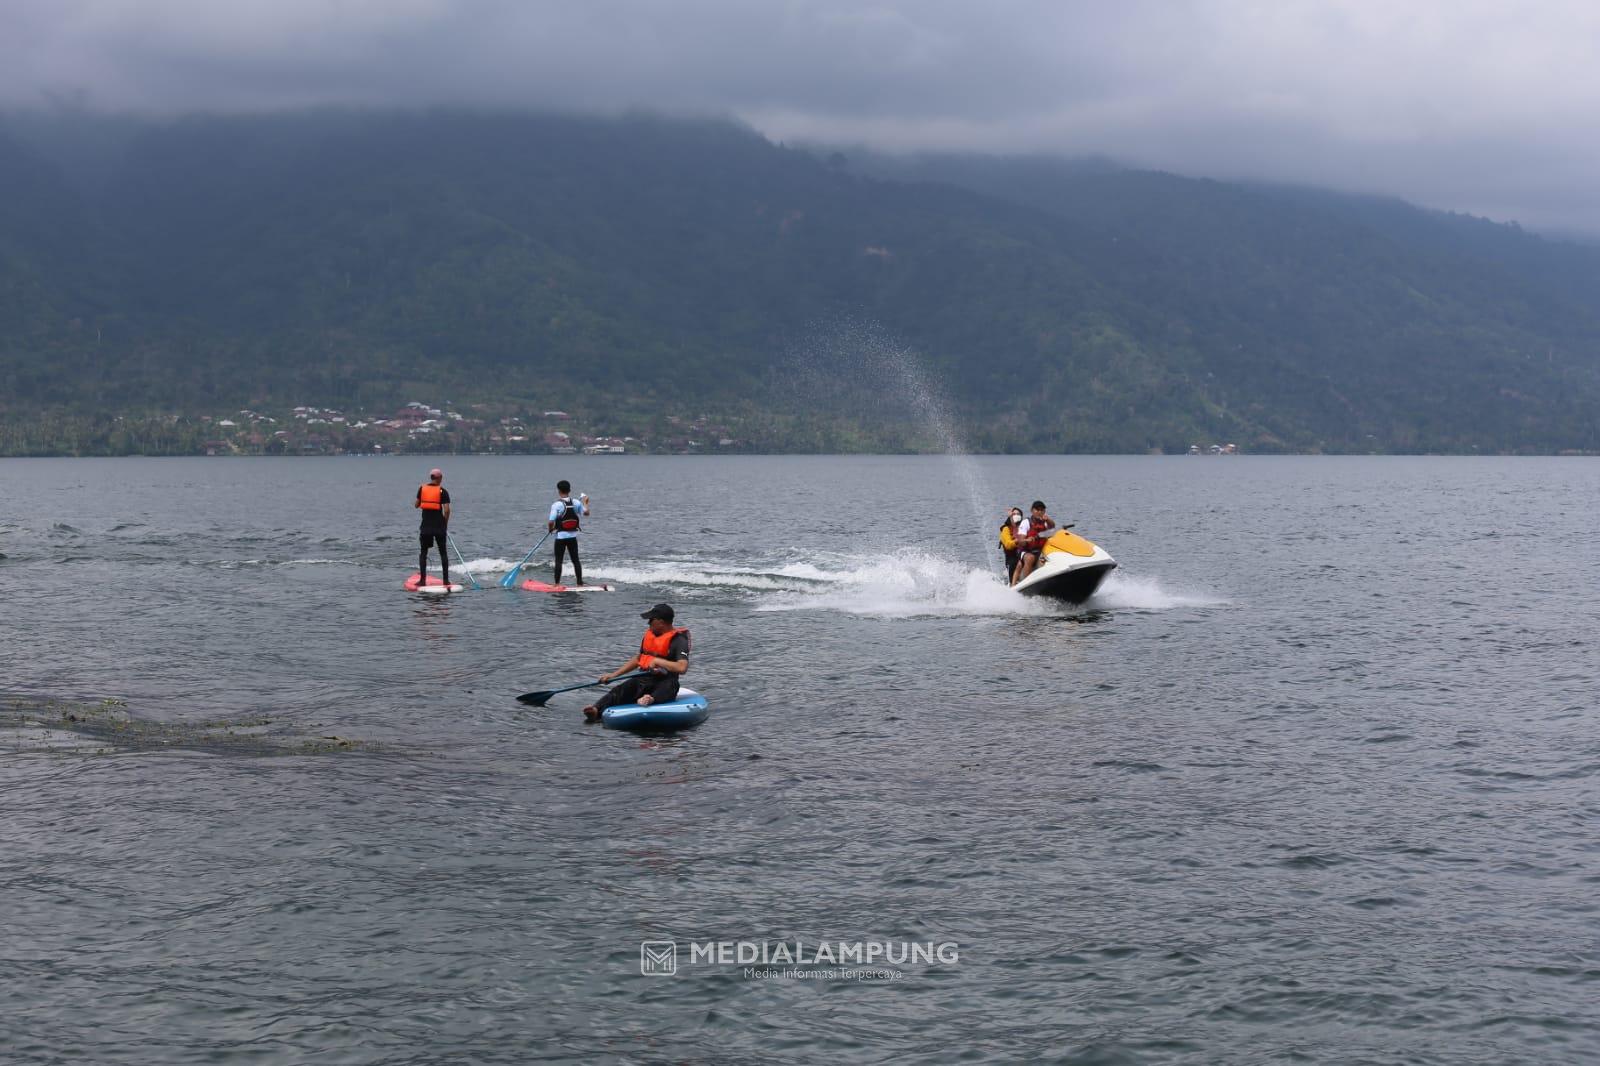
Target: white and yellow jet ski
[{"x": 1070, "y": 568}]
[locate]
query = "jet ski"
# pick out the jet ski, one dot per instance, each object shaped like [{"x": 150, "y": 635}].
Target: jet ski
[{"x": 1070, "y": 568}]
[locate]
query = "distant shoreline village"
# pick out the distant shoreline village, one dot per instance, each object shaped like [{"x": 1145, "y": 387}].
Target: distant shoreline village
[
  {"x": 419, "y": 428},
  {"x": 424, "y": 428}
]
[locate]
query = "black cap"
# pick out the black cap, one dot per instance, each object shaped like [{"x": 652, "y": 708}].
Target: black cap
[{"x": 662, "y": 611}]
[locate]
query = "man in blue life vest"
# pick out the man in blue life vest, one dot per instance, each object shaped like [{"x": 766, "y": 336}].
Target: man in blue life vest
[
  {"x": 663, "y": 656},
  {"x": 434, "y": 503},
  {"x": 565, "y": 521}
]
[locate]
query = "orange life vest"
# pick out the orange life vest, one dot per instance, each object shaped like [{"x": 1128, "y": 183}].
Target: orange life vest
[
  {"x": 654, "y": 647},
  {"x": 431, "y": 497}
]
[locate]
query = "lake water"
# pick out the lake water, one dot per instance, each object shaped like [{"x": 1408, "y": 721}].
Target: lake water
[{"x": 1314, "y": 779}]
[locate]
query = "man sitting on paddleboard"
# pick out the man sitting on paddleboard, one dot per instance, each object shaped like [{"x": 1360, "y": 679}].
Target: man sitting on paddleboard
[
  {"x": 434, "y": 502},
  {"x": 663, "y": 654},
  {"x": 564, "y": 523},
  {"x": 1031, "y": 535}
]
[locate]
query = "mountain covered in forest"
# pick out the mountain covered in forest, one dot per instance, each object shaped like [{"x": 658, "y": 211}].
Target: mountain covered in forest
[{"x": 622, "y": 269}]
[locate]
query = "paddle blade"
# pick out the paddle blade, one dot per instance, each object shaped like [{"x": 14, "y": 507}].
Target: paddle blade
[
  {"x": 536, "y": 699},
  {"x": 510, "y": 580}
]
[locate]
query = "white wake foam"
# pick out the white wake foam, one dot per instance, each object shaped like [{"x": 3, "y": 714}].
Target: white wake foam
[
  {"x": 1126, "y": 591},
  {"x": 908, "y": 586},
  {"x": 693, "y": 574},
  {"x": 487, "y": 566},
  {"x": 891, "y": 585}
]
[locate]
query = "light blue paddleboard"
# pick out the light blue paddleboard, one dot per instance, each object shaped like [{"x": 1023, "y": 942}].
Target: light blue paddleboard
[{"x": 688, "y": 709}]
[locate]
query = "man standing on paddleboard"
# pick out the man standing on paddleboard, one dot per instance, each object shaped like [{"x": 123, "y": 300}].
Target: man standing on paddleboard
[
  {"x": 564, "y": 522},
  {"x": 664, "y": 658},
  {"x": 434, "y": 502}
]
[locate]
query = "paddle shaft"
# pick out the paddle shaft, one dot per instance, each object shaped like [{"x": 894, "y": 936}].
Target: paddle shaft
[
  {"x": 463, "y": 559},
  {"x": 539, "y": 698},
  {"x": 511, "y": 578}
]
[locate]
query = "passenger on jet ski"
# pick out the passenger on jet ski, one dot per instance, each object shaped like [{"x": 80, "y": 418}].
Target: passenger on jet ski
[{"x": 1008, "y": 540}]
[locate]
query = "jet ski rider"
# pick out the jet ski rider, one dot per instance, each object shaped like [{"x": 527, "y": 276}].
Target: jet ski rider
[{"x": 1031, "y": 535}]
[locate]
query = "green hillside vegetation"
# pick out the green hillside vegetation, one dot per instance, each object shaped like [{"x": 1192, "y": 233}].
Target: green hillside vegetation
[{"x": 626, "y": 269}]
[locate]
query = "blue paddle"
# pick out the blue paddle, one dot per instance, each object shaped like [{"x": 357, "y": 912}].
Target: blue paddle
[
  {"x": 463, "y": 559},
  {"x": 510, "y": 580},
  {"x": 537, "y": 699}
]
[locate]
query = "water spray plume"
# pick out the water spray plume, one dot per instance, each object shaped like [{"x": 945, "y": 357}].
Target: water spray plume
[{"x": 855, "y": 367}]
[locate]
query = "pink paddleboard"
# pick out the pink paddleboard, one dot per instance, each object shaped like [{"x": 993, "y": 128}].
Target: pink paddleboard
[
  {"x": 543, "y": 586},
  {"x": 435, "y": 584}
]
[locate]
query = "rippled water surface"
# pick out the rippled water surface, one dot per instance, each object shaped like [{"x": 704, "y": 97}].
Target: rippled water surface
[{"x": 1314, "y": 779}]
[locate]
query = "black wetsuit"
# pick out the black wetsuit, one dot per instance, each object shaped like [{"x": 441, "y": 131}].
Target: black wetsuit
[{"x": 568, "y": 546}]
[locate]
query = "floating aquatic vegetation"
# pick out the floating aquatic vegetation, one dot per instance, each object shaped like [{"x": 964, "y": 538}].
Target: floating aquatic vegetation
[{"x": 81, "y": 727}]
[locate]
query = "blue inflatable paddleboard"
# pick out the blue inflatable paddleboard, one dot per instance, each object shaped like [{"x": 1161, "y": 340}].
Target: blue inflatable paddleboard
[{"x": 688, "y": 709}]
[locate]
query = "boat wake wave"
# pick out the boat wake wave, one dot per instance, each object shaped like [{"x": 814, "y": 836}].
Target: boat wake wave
[
  {"x": 486, "y": 566},
  {"x": 1128, "y": 592},
  {"x": 898, "y": 585}
]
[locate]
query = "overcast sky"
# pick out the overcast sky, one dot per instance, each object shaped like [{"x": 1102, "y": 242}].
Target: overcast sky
[{"x": 1487, "y": 107}]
